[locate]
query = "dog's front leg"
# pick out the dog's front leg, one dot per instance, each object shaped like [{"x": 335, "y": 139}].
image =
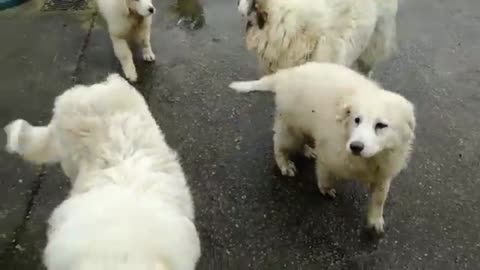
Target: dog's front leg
[
  {"x": 309, "y": 152},
  {"x": 124, "y": 55},
  {"x": 379, "y": 193},
  {"x": 324, "y": 180},
  {"x": 144, "y": 39}
]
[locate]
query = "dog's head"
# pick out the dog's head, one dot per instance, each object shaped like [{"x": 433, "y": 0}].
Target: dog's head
[
  {"x": 141, "y": 7},
  {"x": 377, "y": 122}
]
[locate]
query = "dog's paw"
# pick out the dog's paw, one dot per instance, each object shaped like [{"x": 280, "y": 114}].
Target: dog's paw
[
  {"x": 377, "y": 225},
  {"x": 131, "y": 74},
  {"x": 288, "y": 169},
  {"x": 14, "y": 131},
  {"x": 309, "y": 152},
  {"x": 148, "y": 55},
  {"x": 331, "y": 192}
]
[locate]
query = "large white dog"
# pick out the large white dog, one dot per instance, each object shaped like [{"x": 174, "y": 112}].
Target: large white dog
[
  {"x": 129, "y": 20},
  {"x": 361, "y": 131},
  {"x": 130, "y": 206},
  {"x": 287, "y": 33}
]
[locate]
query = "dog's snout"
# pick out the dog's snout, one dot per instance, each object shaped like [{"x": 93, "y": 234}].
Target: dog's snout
[
  {"x": 356, "y": 147},
  {"x": 151, "y": 10}
]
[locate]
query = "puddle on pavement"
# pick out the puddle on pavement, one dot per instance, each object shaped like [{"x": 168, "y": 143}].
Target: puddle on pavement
[{"x": 190, "y": 13}]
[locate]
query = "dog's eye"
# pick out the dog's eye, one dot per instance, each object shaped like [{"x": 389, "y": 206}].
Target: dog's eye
[
  {"x": 357, "y": 120},
  {"x": 380, "y": 125}
]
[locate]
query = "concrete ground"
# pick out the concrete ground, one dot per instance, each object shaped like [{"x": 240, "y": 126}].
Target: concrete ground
[{"x": 248, "y": 216}]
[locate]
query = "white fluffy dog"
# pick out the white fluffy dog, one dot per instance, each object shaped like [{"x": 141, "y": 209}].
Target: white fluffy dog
[
  {"x": 287, "y": 33},
  {"x": 130, "y": 206},
  {"x": 360, "y": 131},
  {"x": 128, "y": 20}
]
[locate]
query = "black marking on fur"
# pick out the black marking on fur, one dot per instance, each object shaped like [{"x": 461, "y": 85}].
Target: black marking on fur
[
  {"x": 261, "y": 19},
  {"x": 264, "y": 48},
  {"x": 283, "y": 38},
  {"x": 249, "y": 25},
  {"x": 270, "y": 68},
  {"x": 310, "y": 55},
  {"x": 260, "y": 15}
]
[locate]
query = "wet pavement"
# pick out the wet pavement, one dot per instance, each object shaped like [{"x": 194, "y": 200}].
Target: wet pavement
[{"x": 248, "y": 216}]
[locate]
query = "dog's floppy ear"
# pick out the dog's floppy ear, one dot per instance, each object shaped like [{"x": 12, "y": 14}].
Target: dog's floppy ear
[
  {"x": 343, "y": 112},
  {"x": 409, "y": 119},
  {"x": 344, "y": 108},
  {"x": 404, "y": 115}
]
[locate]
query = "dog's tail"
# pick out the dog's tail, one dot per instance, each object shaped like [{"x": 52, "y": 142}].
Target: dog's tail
[
  {"x": 383, "y": 42},
  {"x": 263, "y": 84},
  {"x": 34, "y": 144}
]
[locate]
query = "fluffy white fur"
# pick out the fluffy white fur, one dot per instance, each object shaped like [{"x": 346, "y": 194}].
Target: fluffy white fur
[
  {"x": 130, "y": 206},
  {"x": 348, "y": 32},
  {"x": 361, "y": 131},
  {"x": 128, "y": 20}
]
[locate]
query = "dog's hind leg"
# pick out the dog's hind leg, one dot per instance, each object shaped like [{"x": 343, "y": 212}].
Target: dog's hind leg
[
  {"x": 284, "y": 143},
  {"x": 381, "y": 46},
  {"x": 124, "y": 55},
  {"x": 143, "y": 37},
  {"x": 34, "y": 144}
]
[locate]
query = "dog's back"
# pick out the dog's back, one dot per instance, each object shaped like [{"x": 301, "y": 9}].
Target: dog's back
[
  {"x": 299, "y": 31},
  {"x": 308, "y": 96},
  {"x": 113, "y": 227},
  {"x": 104, "y": 123}
]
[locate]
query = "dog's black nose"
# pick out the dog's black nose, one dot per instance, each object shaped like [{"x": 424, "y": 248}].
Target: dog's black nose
[
  {"x": 151, "y": 9},
  {"x": 356, "y": 147}
]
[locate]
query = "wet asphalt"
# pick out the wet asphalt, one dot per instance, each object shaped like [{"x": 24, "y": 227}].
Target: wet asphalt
[{"x": 248, "y": 215}]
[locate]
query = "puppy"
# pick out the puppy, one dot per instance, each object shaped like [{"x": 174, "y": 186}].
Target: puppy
[
  {"x": 129, "y": 206},
  {"x": 287, "y": 33},
  {"x": 360, "y": 130},
  {"x": 128, "y": 20}
]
